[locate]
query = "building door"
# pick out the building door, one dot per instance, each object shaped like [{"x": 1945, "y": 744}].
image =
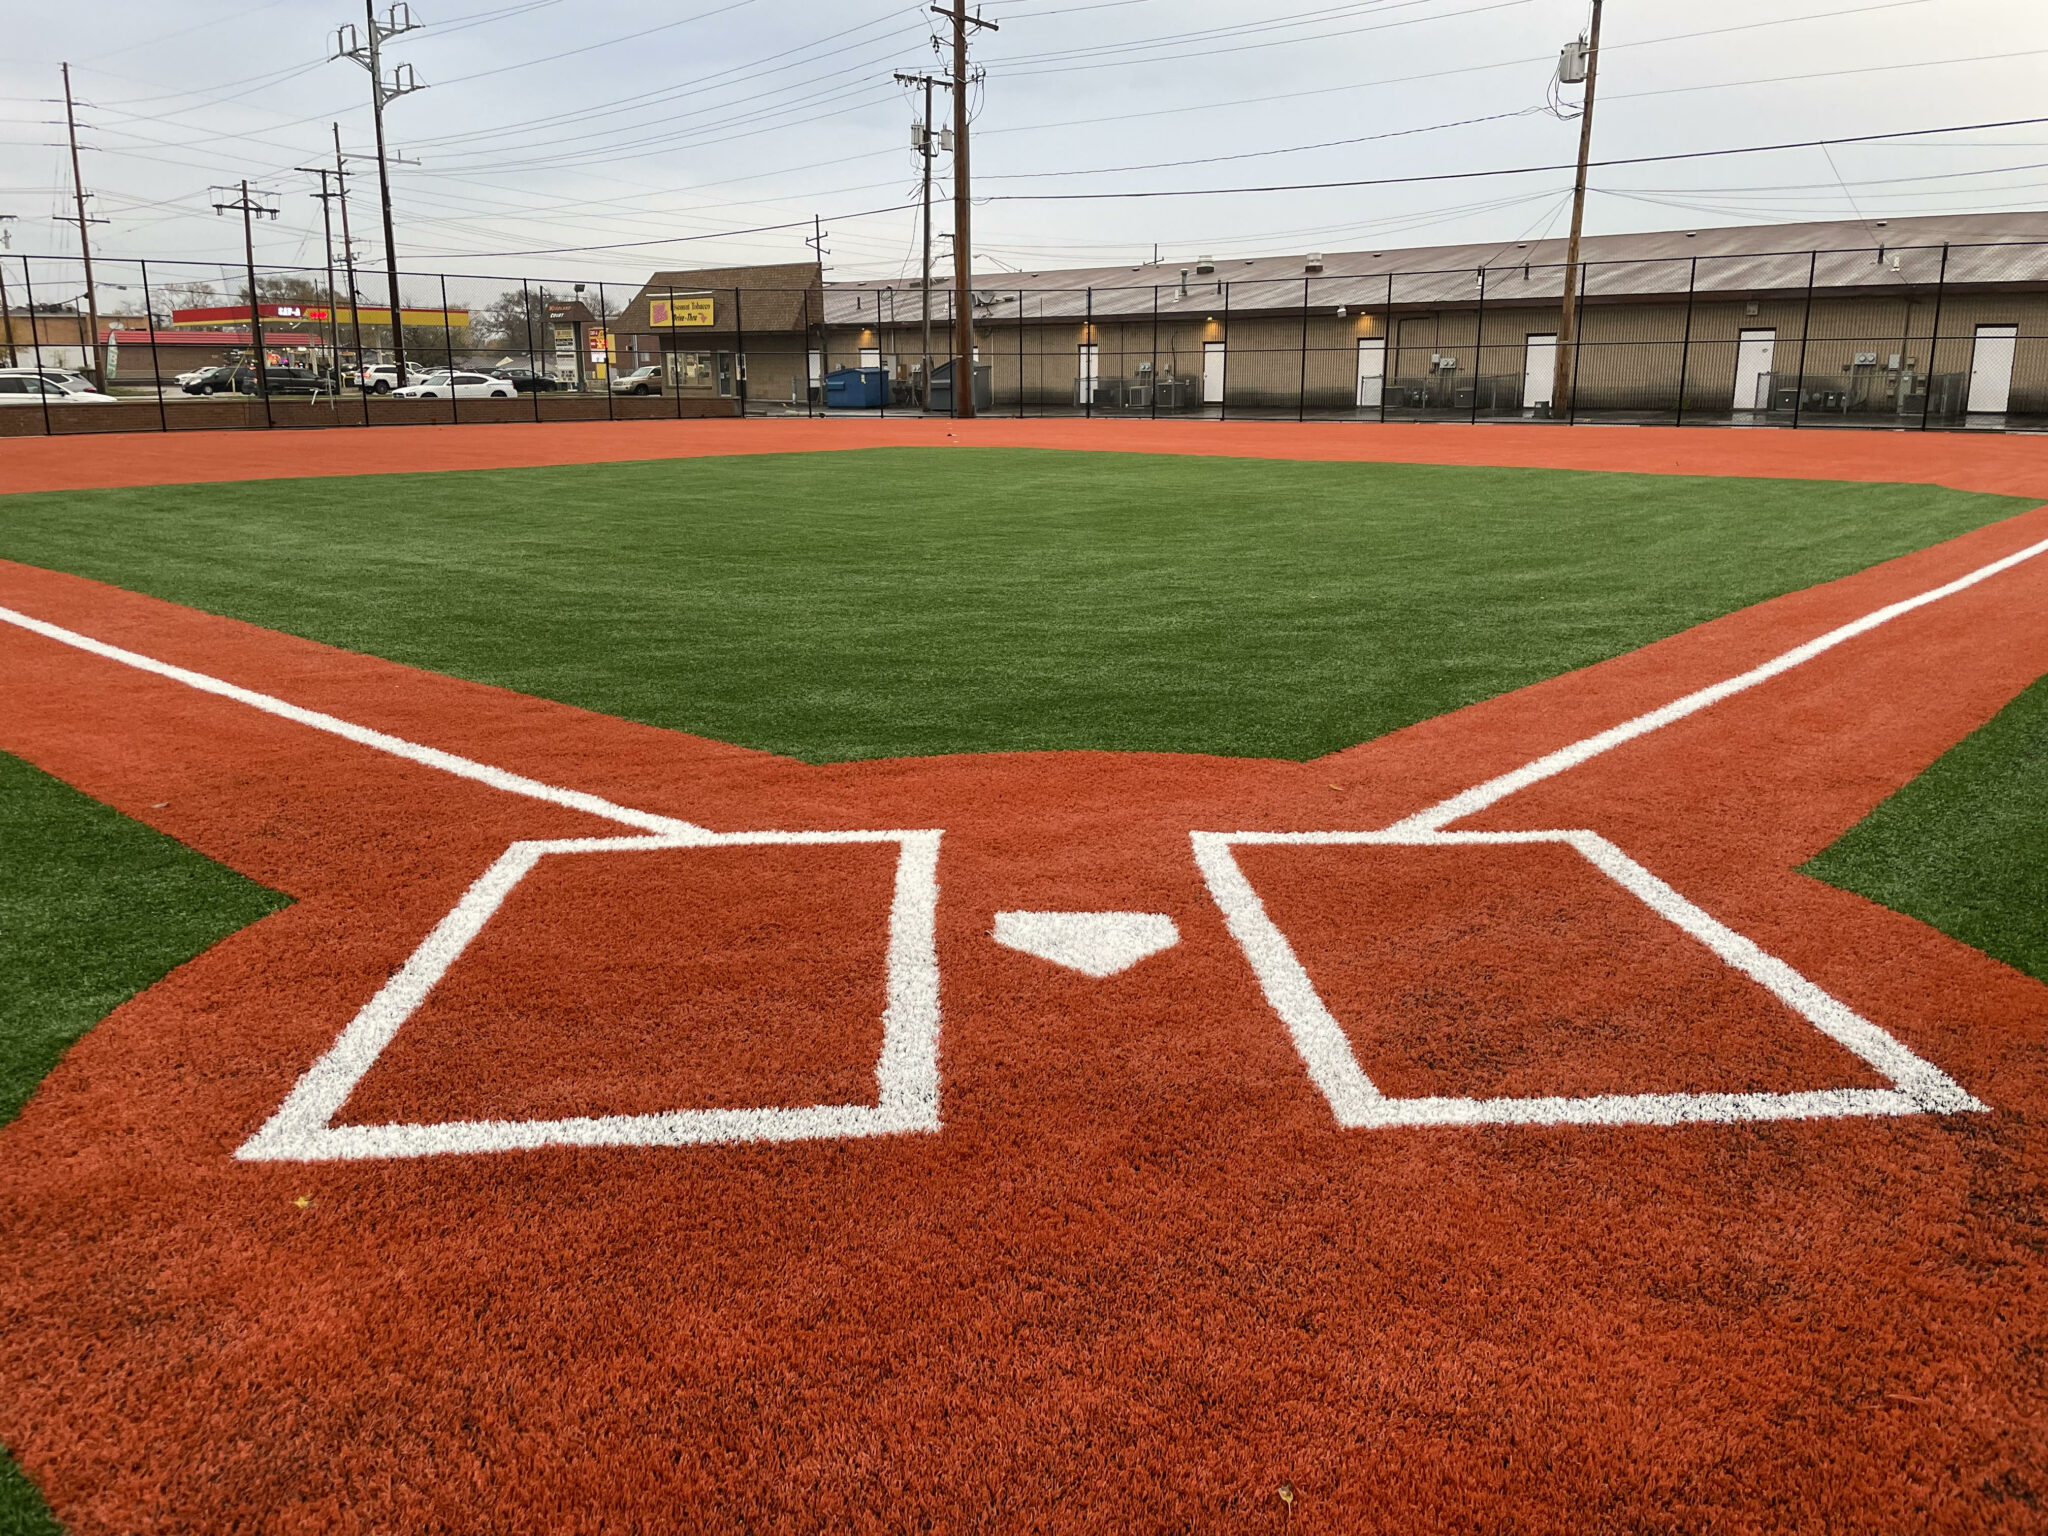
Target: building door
[
  {"x": 1212, "y": 373},
  {"x": 724, "y": 373},
  {"x": 871, "y": 357},
  {"x": 1372, "y": 371},
  {"x": 1991, "y": 367},
  {"x": 1088, "y": 372},
  {"x": 1539, "y": 371},
  {"x": 1753, "y": 353}
]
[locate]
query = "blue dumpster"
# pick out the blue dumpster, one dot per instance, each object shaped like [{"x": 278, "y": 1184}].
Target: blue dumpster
[{"x": 856, "y": 389}]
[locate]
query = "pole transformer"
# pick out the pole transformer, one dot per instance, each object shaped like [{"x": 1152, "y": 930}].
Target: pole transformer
[{"x": 1563, "y": 380}]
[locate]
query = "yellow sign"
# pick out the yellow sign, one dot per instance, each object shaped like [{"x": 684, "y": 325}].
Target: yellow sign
[{"x": 663, "y": 313}]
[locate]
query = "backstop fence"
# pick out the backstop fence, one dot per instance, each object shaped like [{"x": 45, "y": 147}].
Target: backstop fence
[{"x": 1912, "y": 337}]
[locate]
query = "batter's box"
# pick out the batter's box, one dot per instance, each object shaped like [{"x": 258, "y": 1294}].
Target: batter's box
[
  {"x": 1916, "y": 1087},
  {"x": 906, "y": 1073}
]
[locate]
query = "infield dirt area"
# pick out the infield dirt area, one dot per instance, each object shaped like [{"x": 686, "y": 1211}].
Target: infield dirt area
[{"x": 669, "y": 1175}]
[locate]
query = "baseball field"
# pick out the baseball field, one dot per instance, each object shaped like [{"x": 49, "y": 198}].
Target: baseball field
[{"x": 989, "y": 976}]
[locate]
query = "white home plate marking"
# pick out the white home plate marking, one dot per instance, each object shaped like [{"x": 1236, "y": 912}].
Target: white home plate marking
[{"x": 1095, "y": 943}]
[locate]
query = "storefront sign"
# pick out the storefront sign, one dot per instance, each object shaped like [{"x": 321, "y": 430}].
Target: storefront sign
[{"x": 664, "y": 313}]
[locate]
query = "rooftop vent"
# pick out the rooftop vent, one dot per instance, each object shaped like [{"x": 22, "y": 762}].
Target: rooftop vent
[
  {"x": 1205, "y": 265},
  {"x": 1312, "y": 264}
]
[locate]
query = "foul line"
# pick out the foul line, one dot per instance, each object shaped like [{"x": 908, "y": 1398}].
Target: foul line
[
  {"x": 362, "y": 735},
  {"x": 1480, "y": 796}
]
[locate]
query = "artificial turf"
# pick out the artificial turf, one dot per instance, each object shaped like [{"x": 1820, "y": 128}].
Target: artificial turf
[
  {"x": 93, "y": 908},
  {"x": 898, "y": 602},
  {"x": 1964, "y": 847}
]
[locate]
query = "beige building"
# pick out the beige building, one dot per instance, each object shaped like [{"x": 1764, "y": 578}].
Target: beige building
[
  {"x": 739, "y": 333},
  {"x": 1879, "y": 322}
]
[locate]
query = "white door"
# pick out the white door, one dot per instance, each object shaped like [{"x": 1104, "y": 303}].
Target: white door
[
  {"x": 817, "y": 369},
  {"x": 1539, "y": 370},
  {"x": 1372, "y": 371},
  {"x": 1991, "y": 367},
  {"x": 1089, "y": 371},
  {"x": 871, "y": 357},
  {"x": 1212, "y": 373},
  {"x": 1753, "y": 354}
]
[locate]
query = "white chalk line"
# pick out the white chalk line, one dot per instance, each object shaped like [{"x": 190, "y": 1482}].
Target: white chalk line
[
  {"x": 362, "y": 735},
  {"x": 906, "y": 1074},
  {"x": 1919, "y": 1087},
  {"x": 1481, "y": 796}
]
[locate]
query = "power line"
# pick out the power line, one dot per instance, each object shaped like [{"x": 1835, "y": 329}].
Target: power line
[{"x": 1519, "y": 170}]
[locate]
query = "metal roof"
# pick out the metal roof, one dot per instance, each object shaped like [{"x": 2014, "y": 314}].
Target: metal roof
[{"x": 1872, "y": 255}]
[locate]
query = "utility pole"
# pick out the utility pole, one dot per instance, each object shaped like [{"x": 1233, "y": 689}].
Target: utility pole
[
  {"x": 251, "y": 209},
  {"x": 928, "y": 147},
  {"x": 92, "y": 310},
  {"x": 327, "y": 248},
  {"x": 348, "y": 249},
  {"x": 6, "y": 314},
  {"x": 348, "y": 44},
  {"x": 1563, "y": 379},
  {"x": 963, "y": 243}
]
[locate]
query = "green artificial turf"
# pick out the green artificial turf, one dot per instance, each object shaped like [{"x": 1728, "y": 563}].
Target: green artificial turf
[
  {"x": 1964, "y": 847},
  {"x": 910, "y": 601},
  {"x": 22, "y": 1510},
  {"x": 93, "y": 908}
]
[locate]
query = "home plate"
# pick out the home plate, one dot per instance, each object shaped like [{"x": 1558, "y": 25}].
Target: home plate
[{"x": 1096, "y": 943}]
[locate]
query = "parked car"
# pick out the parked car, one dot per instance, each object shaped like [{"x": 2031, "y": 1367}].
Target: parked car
[
  {"x": 641, "y": 381},
  {"x": 462, "y": 386},
  {"x": 382, "y": 378},
  {"x": 217, "y": 380},
  {"x": 243, "y": 379},
  {"x": 527, "y": 382},
  {"x": 25, "y": 386}
]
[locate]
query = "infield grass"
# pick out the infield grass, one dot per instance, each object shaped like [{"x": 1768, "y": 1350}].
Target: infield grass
[
  {"x": 1964, "y": 847},
  {"x": 898, "y": 602}
]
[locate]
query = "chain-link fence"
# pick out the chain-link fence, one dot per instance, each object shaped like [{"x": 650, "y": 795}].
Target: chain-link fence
[{"x": 1917, "y": 337}]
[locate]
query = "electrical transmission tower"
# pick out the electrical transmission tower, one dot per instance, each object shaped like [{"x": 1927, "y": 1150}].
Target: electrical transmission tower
[{"x": 368, "y": 51}]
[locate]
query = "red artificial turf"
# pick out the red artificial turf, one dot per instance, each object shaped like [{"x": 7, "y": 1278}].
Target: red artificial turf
[
  {"x": 1140, "y": 1279},
  {"x": 1996, "y": 462}
]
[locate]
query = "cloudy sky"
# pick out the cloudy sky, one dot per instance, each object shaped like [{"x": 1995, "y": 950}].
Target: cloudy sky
[{"x": 602, "y": 138}]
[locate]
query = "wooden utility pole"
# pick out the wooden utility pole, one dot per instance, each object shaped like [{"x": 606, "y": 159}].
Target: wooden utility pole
[
  {"x": 348, "y": 251},
  {"x": 1563, "y": 380},
  {"x": 963, "y": 241},
  {"x": 928, "y": 147},
  {"x": 369, "y": 52},
  {"x": 92, "y": 310}
]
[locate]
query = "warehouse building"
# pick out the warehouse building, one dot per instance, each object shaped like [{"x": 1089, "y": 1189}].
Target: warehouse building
[{"x": 1861, "y": 322}]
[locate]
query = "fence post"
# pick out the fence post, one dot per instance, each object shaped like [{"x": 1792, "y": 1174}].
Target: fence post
[
  {"x": 739, "y": 354},
  {"x": 35, "y": 342},
  {"x": 1933, "y": 339},
  {"x": 1223, "y": 405},
  {"x": 1575, "y": 279},
  {"x": 7, "y": 317},
  {"x": 163, "y": 420},
  {"x": 1093, "y": 359},
  {"x": 526, "y": 314},
  {"x": 1692, "y": 278},
  {"x": 1478, "y": 344},
  {"x": 1020, "y": 356},
  {"x": 1387, "y": 351},
  {"x": 1805, "y": 325},
  {"x": 604, "y": 328},
  {"x": 1301, "y": 394},
  {"x": 448, "y": 350}
]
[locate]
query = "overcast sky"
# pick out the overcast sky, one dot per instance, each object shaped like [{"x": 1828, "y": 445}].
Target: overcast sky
[{"x": 592, "y": 123}]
